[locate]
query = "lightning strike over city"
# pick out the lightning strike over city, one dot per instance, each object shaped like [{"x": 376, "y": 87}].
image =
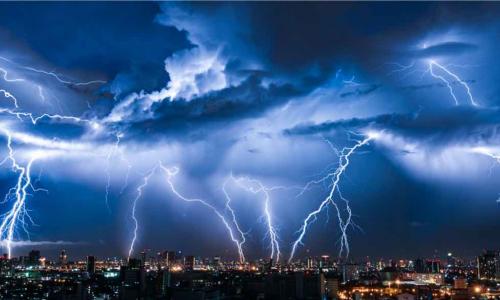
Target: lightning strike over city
[
  {"x": 335, "y": 177},
  {"x": 256, "y": 187},
  {"x": 249, "y": 141},
  {"x": 242, "y": 238},
  {"x": 134, "y": 208}
]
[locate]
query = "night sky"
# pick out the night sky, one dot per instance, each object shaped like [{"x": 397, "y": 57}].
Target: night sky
[{"x": 182, "y": 105}]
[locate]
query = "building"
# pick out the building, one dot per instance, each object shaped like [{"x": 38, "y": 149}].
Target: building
[
  {"x": 332, "y": 284},
  {"x": 451, "y": 260},
  {"x": 164, "y": 278},
  {"x": 310, "y": 263},
  {"x": 432, "y": 266},
  {"x": 133, "y": 277},
  {"x": 63, "y": 258},
  {"x": 216, "y": 261},
  {"x": 325, "y": 261},
  {"x": 487, "y": 265},
  {"x": 460, "y": 284},
  {"x": 350, "y": 271},
  {"x": 426, "y": 278},
  {"x": 170, "y": 258},
  {"x": 91, "y": 265},
  {"x": 189, "y": 263},
  {"x": 419, "y": 266},
  {"x": 34, "y": 258},
  {"x": 295, "y": 286},
  {"x": 143, "y": 257}
]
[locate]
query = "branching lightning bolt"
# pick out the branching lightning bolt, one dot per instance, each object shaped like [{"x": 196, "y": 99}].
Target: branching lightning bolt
[
  {"x": 433, "y": 64},
  {"x": 48, "y": 73},
  {"x": 432, "y": 68},
  {"x": 18, "y": 213},
  {"x": 242, "y": 239},
  {"x": 490, "y": 153},
  {"x": 111, "y": 153},
  {"x": 139, "y": 189},
  {"x": 170, "y": 174},
  {"x": 334, "y": 188},
  {"x": 254, "y": 186}
]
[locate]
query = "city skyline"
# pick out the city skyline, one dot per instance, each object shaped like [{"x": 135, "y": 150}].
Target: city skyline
[{"x": 250, "y": 130}]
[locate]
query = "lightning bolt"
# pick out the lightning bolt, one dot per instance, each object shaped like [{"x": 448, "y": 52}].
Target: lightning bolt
[
  {"x": 242, "y": 239},
  {"x": 170, "y": 174},
  {"x": 344, "y": 160},
  {"x": 21, "y": 115},
  {"x": 433, "y": 64},
  {"x": 139, "y": 189},
  {"x": 111, "y": 153},
  {"x": 5, "y": 75},
  {"x": 437, "y": 71},
  {"x": 254, "y": 186},
  {"x": 8, "y": 95},
  {"x": 48, "y": 73},
  {"x": 490, "y": 153},
  {"x": 18, "y": 213}
]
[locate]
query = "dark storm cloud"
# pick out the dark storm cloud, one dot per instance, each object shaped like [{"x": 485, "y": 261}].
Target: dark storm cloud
[
  {"x": 103, "y": 38},
  {"x": 361, "y": 91},
  {"x": 209, "y": 112},
  {"x": 416, "y": 87},
  {"x": 455, "y": 125}
]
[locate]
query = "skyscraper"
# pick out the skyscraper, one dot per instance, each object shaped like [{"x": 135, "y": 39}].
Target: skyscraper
[
  {"x": 34, "y": 257},
  {"x": 170, "y": 258},
  {"x": 487, "y": 265},
  {"x": 63, "y": 258},
  {"x": 91, "y": 264},
  {"x": 143, "y": 257},
  {"x": 189, "y": 262}
]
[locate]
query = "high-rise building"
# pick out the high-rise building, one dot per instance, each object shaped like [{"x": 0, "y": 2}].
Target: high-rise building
[
  {"x": 134, "y": 263},
  {"x": 189, "y": 262},
  {"x": 63, "y": 258},
  {"x": 451, "y": 261},
  {"x": 332, "y": 286},
  {"x": 487, "y": 265},
  {"x": 419, "y": 266},
  {"x": 170, "y": 257},
  {"x": 164, "y": 277},
  {"x": 350, "y": 271},
  {"x": 325, "y": 261},
  {"x": 432, "y": 266},
  {"x": 310, "y": 263},
  {"x": 133, "y": 279},
  {"x": 91, "y": 264},
  {"x": 34, "y": 258},
  {"x": 216, "y": 262},
  {"x": 143, "y": 257}
]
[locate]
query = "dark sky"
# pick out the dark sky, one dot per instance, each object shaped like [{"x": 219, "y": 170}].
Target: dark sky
[{"x": 201, "y": 113}]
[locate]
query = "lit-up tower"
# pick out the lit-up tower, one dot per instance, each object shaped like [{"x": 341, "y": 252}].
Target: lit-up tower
[{"x": 63, "y": 258}]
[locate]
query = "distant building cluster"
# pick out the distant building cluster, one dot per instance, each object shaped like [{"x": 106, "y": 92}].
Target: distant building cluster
[{"x": 172, "y": 275}]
